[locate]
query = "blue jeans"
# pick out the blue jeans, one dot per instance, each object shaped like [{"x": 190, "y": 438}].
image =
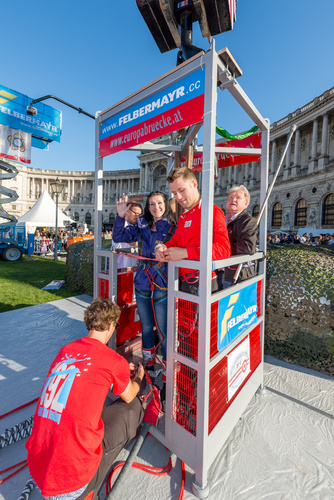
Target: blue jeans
[{"x": 145, "y": 310}]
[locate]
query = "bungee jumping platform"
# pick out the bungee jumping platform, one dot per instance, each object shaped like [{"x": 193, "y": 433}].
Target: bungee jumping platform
[{"x": 281, "y": 447}]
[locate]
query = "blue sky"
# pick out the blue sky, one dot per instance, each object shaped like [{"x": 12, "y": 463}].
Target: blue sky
[{"x": 93, "y": 54}]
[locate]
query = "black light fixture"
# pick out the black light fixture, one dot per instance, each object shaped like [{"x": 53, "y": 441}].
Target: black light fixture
[
  {"x": 57, "y": 188},
  {"x": 32, "y": 111},
  {"x": 163, "y": 18}
]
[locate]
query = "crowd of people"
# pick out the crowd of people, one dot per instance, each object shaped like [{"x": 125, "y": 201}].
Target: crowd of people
[{"x": 306, "y": 239}]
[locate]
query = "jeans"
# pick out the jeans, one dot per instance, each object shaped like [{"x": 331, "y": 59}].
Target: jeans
[{"x": 146, "y": 314}]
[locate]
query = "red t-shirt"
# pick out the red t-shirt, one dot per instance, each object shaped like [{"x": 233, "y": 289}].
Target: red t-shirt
[
  {"x": 65, "y": 446},
  {"x": 188, "y": 235}
]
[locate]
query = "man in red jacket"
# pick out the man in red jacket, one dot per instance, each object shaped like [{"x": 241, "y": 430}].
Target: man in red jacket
[{"x": 185, "y": 242}]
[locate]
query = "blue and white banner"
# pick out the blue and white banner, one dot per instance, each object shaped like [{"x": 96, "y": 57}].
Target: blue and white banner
[
  {"x": 40, "y": 143},
  {"x": 178, "y": 106},
  {"x": 13, "y": 113},
  {"x": 15, "y": 144},
  {"x": 236, "y": 312}
]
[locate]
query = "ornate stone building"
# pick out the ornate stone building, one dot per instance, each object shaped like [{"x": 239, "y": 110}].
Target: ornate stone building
[{"x": 303, "y": 195}]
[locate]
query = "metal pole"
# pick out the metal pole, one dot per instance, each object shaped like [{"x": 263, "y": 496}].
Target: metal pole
[
  {"x": 292, "y": 131},
  {"x": 56, "y": 236}
]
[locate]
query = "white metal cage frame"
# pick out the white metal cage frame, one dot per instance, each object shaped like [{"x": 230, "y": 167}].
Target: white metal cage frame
[{"x": 198, "y": 450}]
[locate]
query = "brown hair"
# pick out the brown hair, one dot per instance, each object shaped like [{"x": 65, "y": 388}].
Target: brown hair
[
  {"x": 186, "y": 173},
  {"x": 100, "y": 314}
]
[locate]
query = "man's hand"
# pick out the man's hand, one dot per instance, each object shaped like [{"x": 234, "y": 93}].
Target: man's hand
[
  {"x": 122, "y": 206},
  {"x": 160, "y": 253},
  {"x": 175, "y": 253}
]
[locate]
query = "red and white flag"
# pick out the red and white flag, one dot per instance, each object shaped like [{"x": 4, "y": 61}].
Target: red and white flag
[{"x": 15, "y": 144}]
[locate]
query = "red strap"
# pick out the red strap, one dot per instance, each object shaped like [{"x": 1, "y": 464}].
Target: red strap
[{"x": 19, "y": 408}]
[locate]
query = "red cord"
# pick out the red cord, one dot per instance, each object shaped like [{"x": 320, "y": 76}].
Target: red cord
[
  {"x": 183, "y": 479},
  {"x": 13, "y": 473},
  {"x": 157, "y": 471},
  {"x": 19, "y": 408}
]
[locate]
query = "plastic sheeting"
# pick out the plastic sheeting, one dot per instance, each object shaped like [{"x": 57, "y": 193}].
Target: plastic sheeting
[{"x": 281, "y": 448}]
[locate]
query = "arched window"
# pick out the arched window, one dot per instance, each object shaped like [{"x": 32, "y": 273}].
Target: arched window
[
  {"x": 256, "y": 210},
  {"x": 328, "y": 211},
  {"x": 88, "y": 218},
  {"x": 112, "y": 217},
  {"x": 277, "y": 215},
  {"x": 301, "y": 213},
  {"x": 76, "y": 216}
]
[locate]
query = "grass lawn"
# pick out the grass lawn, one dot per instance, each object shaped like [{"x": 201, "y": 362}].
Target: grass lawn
[{"x": 21, "y": 282}]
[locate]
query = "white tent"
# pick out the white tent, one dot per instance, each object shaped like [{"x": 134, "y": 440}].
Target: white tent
[{"x": 43, "y": 214}]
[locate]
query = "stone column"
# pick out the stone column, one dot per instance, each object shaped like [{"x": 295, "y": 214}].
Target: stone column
[
  {"x": 141, "y": 177},
  {"x": 287, "y": 169},
  {"x": 146, "y": 178},
  {"x": 133, "y": 185},
  {"x": 81, "y": 192},
  {"x": 252, "y": 182},
  {"x": 246, "y": 174},
  {"x": 121, "y": 187},
  {"x": 235, "y": 174},
  {"x": 272, "y": 162},
  {"x": 295, "y": 170},
  {"x": 85, "y": 190},
  {"x": 229, "y": 178},
  {"x": 313, "y": 160},
  {"x": 323, "y": 160}
]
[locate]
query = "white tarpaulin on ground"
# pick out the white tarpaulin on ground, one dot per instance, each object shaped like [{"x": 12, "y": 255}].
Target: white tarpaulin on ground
[
  {"x": 281, "y": 448},
  {"x": 43, "y": 214}
]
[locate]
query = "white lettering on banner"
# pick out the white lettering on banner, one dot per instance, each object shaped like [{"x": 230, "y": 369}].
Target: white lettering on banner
[
  {"x": 30, "y": 119},
  {"x": 235, "y": 321},
  {"x": 149, "y": 108}
]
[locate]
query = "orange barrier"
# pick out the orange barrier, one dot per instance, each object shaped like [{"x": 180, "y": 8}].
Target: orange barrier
[{"x": 75, "y": 239}]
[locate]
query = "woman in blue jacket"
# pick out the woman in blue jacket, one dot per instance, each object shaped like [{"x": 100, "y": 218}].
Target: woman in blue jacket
[{"x": 156, "y": 226}]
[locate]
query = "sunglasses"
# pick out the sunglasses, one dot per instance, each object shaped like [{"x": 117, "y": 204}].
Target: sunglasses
[{"x": 135, "y": 213}]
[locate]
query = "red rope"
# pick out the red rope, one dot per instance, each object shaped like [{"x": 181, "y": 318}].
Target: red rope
[
  {"x": 183, "y": 479},
  {"x": 19, "y": 408},
  {"x": 156, "y": 471},
  {"x": 13, "y": 473}
]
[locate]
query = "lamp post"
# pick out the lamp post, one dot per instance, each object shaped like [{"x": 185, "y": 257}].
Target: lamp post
[{"x": 57, "y": 188}]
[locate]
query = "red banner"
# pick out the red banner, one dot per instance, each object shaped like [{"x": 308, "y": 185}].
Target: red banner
[{"x": 226, "y": 160}]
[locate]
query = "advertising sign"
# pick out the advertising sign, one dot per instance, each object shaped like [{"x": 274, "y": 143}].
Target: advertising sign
[
  {"x": 15, "y": 144},
  {"x": 236, "y": 312},
  {"x": 238, "y": 366},
  {"x": 226, "y": 160},
  {"x": 13, "y": 113},
  {"x": 178, "y": 106}
]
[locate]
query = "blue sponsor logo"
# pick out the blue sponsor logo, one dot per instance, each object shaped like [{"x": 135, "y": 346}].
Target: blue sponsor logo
[{"x": 236, "y": 312}]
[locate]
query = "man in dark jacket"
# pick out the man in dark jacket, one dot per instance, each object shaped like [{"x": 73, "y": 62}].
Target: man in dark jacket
[{"x": 241, "y": 228}]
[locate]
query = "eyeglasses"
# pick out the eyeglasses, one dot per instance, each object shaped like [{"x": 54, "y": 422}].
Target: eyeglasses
[
  {"x": 117, "y": 325},
  {"x": 135, "y": 213}
]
